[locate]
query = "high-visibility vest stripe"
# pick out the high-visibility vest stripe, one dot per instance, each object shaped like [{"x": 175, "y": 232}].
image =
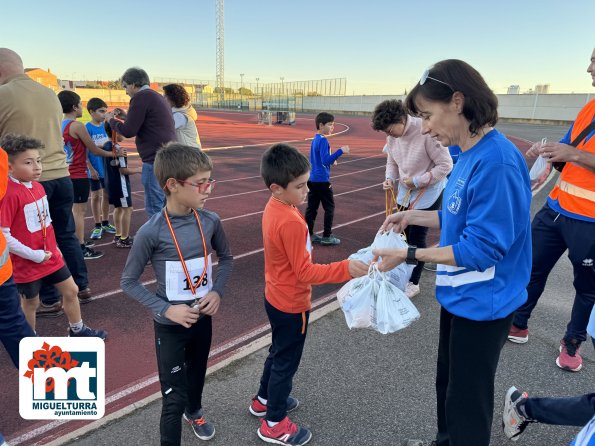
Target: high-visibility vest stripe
[{"x": 577, "y": 191}]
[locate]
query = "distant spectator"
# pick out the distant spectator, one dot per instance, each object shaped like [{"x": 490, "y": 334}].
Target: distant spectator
[
  {"x": 184, "y": 115},
  {"x": 149, "y": 118}
]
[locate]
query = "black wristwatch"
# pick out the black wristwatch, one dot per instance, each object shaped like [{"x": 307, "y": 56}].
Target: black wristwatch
[{"x": 411, "y": 260}]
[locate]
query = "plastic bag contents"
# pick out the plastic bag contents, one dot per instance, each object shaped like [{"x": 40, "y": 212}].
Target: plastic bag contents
[
  {"x": 394, "y": 310},
  {"x": 373, "y": 302},
  {"x": 399, "y": 276}
]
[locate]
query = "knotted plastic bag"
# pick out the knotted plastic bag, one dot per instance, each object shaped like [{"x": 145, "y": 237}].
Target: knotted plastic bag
[{"x": 398, "y": 276}]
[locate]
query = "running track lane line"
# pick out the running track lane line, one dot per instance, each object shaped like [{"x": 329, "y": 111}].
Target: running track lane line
[
  {"x": 153, "y": 378},
  {"x": 250, "y": 214},
  {"x": 251, "y": 191}
]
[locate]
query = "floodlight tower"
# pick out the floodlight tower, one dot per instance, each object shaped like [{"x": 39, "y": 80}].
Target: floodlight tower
[{"x": 220, "y": 30}]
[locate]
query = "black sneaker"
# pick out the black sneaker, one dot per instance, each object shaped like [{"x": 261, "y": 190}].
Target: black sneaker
[
  {"x": 90, "y": 254},
  {"x": 116, "y": 238},
  {"x": 200, "y": 426},
  {"x": 89, "y": 243},
  {"x": 124, "y": 243},
  {"x": 88, "y": 332}
]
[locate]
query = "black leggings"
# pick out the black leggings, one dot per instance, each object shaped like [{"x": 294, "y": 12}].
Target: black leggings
[{"x": 182, "y": 355}]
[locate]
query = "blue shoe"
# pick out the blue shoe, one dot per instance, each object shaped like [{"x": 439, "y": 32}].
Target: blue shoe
[
  {"x": 88, "y": 332},
  {"x": 200, "y": 426},
  {"x": 2, "y": 441},
  {"x": 315, "y": 238},
  {"x": 96, "y": 234},
  {"x": 109, "y": 228}
]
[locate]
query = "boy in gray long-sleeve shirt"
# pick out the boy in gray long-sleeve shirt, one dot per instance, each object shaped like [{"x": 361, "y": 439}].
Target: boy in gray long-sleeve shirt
[{"x": 179, "y": 242}]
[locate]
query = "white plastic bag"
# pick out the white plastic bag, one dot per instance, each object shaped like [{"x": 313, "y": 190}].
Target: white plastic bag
[
  {"x": 399, "y": 276},
  {"x": 394, "y": 310},
  {"x": 538, "y": 168},
  {"x": 372, "y": 301},
  {"x": 358, "y": 300}
]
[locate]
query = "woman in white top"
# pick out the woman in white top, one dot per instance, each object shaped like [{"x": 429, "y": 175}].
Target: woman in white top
[
  {"x": 416, "y": 167},
  {"x": 184, "y": 115}
]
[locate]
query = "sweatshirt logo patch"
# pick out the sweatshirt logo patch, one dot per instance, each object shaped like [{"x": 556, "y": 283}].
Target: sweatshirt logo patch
[
  {"x": 454, "y": 201},
  {"x": 588, "y": 262}
]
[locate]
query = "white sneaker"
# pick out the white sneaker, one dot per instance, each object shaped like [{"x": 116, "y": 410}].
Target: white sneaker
[
  {"x": 411, "y": 290},
  {"x": 513, "y": 422}
]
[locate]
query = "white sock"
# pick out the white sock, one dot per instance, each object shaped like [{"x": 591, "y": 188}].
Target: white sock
[
  {"x": 77, "y": 326},
  {"x": 262, "y": 400},
  {"x": 272, "y": 423}
]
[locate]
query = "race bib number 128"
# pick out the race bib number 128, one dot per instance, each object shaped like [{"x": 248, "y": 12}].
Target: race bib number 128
[{"x": 177, "y": 287}]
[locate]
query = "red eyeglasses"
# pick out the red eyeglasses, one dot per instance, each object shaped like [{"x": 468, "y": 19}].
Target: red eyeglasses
[{"x": 201, "y": 187}]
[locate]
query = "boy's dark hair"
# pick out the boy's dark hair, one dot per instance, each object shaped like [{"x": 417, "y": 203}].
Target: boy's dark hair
[
  {"x": 481, "y": 104},
  {"x": 387, "y": 113},
  {"x": 95, "y": 104},
  {"x": 180, "y": 162},
  {"x": 282, "y": 164},
  {"x": 68, "y": 100},
  {"x": 323, "y": 118},
  {"x": 177, "y": 94},
  {"x": 136, "y": 76},
  {"x": 15, "y": 144}
]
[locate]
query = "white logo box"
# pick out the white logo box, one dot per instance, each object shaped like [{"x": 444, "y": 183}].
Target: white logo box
[{"x": 82, "y": 399}]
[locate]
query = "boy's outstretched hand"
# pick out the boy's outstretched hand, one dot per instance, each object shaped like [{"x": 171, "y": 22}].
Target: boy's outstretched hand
[
  {"x": 210, "y": 303},
  {"x": 357, "y": 268},
  {"x": 182, "y": 314}
]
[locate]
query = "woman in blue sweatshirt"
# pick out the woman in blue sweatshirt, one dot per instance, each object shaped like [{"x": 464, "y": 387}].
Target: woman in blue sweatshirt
[{"x": 484, "y": 256}]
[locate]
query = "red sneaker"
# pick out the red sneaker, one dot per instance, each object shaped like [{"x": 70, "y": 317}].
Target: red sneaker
[
  {"x": 260, "y": 410},
  {"x": 518, "y": 335},
  {"x": 285, "y": 432},
  {"x": 570, "y": 357}
]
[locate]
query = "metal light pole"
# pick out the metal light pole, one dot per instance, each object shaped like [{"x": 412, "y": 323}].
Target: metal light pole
[
  {"x": 282, "y": 91},
  {"x": 257, "y": 79},
  {"x": 241, "y": 89}
]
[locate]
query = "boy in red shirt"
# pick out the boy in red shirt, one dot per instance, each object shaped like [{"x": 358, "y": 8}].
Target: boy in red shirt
[
  {"x": 289, "y": 275},
  {"x": 27, "y": 227}
]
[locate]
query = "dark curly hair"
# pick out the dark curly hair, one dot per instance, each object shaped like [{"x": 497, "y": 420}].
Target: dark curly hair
[
  {"x": 453, "y": 75},
  {"x": 387, "y": 113},
  {"x": 15, "y": 144},
  {"x": 177, "y": 94}
]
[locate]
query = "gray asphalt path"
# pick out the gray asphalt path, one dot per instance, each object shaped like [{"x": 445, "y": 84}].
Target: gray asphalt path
[{"x": 363, "y": 388}]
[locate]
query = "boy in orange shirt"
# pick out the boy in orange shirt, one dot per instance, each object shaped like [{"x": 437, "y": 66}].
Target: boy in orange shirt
[{"x": 289, "y": 275}]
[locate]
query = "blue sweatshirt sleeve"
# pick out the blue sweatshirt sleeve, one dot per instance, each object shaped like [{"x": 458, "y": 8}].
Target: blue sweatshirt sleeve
[
  {"x": 498, "y": 199},
  {"x": 326, "y": 157}
]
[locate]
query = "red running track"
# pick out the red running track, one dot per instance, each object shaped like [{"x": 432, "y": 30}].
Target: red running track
[{"x": 239, "y": 199}]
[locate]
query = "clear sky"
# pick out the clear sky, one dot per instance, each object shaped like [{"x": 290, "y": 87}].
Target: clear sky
[{"x": 380, "y": 46}]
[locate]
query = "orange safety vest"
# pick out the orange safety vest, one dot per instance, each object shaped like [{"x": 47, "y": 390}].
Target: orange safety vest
[
  {"x": 575, "y": 189},
  {"x": 5, "y": 264}
]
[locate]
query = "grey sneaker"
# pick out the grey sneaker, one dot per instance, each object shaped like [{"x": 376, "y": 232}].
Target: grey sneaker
[
  {"x": 315, "y": 238},
  {"x": 200, "y": 426},
  {"x": 513, "y": 422},
  {"x": 330, "y": 240}
]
